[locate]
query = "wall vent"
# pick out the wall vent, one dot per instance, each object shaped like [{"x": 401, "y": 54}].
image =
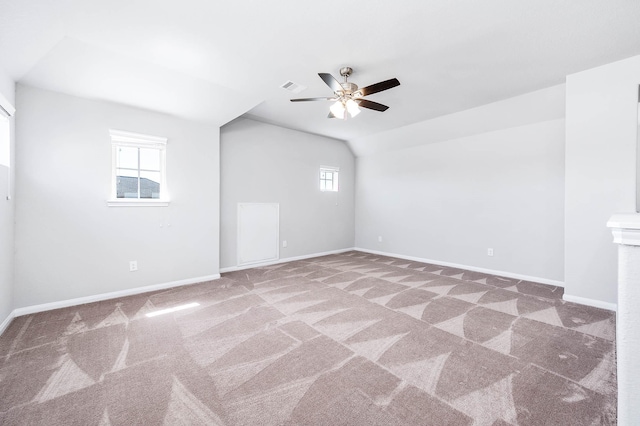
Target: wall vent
[{"x": 293, "y": 87}]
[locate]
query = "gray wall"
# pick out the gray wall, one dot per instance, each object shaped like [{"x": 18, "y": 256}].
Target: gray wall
[
  {"x": 265, "y": 163},
  {"x": 7, "y": 215},
  {"x": 503, "y": 187},
  {"x": 451, "y": 201},
  {"x": 602, "y": 117},
  {"x": 68, "y": 243}
]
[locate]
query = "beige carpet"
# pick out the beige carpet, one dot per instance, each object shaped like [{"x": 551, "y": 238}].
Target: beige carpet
[{"x": 349, "y": 339}]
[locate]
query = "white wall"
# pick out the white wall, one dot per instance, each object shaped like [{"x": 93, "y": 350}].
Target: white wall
[
  {"x": 265, "y": 163},
  {"x": 7, "y": 91},
  {"x": 69, "y": 244},
  {"x": 450, "y": 201},
  {"x": 600, "y": 173}
]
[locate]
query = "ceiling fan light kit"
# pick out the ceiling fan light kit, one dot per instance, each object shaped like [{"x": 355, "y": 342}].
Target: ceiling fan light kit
[{"x": 349, "y": 98}]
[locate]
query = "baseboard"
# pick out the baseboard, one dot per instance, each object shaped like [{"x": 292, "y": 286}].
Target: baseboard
[
  {"x": 7, "y": 321},
  {"x": 112, "y": 295},
  {"x": 590, "y": 302},
  {"x": 467, "y": 267},
  {"x": 285, "y": 260}
]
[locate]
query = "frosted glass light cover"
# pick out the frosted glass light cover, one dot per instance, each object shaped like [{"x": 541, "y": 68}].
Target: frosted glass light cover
[
  {"x": 352, "y": 107},
  {"x": 338, "y": 110}
]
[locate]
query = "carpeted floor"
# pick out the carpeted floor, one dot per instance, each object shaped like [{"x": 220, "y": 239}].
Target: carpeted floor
[{"x": 347, "y": 339}]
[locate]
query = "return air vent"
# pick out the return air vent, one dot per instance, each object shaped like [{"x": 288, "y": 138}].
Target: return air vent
[{"x": 293, "y": 87}]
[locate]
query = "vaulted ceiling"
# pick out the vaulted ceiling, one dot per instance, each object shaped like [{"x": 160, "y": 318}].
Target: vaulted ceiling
[{"x": 214, "y": 61}]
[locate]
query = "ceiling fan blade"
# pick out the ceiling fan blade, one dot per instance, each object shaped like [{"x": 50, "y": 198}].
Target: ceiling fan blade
[
  {"x": 312, "y": 99},
  {"x": 379, "y": 87},
  {"x": 364, "y": 103},
  {"x": 331, "y": 82}
]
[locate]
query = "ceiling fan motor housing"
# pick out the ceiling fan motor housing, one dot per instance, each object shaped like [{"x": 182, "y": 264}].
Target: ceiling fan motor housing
[{"x": 349, "y": 87}]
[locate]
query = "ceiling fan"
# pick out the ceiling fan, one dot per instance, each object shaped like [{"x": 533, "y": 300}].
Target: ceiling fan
[{"x": 349, "y": 97}]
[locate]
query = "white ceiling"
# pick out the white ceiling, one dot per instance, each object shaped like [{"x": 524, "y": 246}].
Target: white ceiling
[{"x": 213, "y": 61}]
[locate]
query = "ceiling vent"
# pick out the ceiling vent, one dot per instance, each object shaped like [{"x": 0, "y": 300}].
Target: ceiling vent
[{"x": 293, "y": 87}]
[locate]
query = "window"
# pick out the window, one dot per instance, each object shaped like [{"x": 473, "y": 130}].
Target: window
[
  {"x": 329, "y": 178},
  {"x": 6, "y": 111},
  {"x": 138, "y": 176},
  {"x": 5, "y": 140}
]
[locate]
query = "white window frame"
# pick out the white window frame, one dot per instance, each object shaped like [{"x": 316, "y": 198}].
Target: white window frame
[
  {"x": 121, "y": 138},
  {"x": 336, "y": 179},
  {"x": 5, "y": 124},
  {"x": 6, "y": 112}
]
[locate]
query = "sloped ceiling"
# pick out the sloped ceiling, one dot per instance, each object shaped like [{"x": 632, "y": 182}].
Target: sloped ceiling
[{"x": 214, "y": 61}]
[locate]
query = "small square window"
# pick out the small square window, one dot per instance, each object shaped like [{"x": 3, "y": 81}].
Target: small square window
[
  {"x": 329, "y": 178},
  {"x": 138, "y": 169}
]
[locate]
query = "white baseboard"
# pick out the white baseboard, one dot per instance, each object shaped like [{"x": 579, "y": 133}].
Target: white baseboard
[
  {"x": 285, "y": 260},
  {"x": 467, "y": 267},
  {"x": 590, "y": 302},
  {"x": 112, "y": 295},
  {"x": 7, "y": 321}
]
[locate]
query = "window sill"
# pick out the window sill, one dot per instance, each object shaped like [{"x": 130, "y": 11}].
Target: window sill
[{"x": 132, "y": 202}]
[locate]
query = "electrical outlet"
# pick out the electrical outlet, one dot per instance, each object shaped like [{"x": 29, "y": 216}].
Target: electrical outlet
[
  {"x": 489, "y": 252},
  {"x": 133, "y": 266},
  {"x": 379, "y": 238},
  {"x": 284, "y": 244}
]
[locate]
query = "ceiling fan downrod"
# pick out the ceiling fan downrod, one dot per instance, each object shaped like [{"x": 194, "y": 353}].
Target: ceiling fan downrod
[{"x": 348, "y": 87}]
